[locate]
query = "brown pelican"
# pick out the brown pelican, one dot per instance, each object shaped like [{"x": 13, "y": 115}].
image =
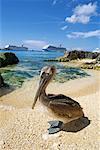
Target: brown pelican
[{"x": 62, "y": 106}]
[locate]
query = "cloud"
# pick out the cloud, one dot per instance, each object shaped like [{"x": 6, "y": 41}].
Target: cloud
[
  {"x": 82, "y": 13},
  {"x": 86, "y": 9},
  {"x": 54, "y": 2},
  {"x": 89, "y": 34},
  {"x": 64, "y": 27},
  {"x": 37, "y": 44},
  {"x": 81, "y": 19}
]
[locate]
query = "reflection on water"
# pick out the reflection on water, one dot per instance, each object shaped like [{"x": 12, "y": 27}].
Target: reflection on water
[{"x": 31, "y": 63}]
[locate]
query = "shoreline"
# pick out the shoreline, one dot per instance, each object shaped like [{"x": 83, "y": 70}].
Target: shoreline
[
  {"x": 85, "y": 86},
  {"x": 16, "y": 82}
]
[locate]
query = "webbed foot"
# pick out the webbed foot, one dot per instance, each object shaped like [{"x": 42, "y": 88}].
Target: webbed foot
[{"x": 55, "y": 126}]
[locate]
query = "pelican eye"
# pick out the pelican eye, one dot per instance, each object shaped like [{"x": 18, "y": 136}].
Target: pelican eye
[
  {"x": 47, "y": 74},
  {"x": 42, "y": 75}
]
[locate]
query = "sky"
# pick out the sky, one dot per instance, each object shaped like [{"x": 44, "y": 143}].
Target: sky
[{"x": 36, "y": 23}]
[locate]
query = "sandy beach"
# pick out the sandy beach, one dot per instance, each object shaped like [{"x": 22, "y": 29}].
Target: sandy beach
[{"x": 22, "y": 128}]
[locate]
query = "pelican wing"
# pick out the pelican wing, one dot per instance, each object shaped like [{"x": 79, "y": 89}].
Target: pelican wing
[
  {"x": 65, "y": 106},
  {"x": 62, "y": 99}
]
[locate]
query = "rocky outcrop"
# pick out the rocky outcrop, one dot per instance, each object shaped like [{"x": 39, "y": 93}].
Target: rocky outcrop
[
  {"x": 8, "y": 58},
  {"x": 1, "y": 81},
  {"x": 81, "y": 55},
  {"x": 4, "y": 87},
  {"x": 74, "y": 55},
  {"x": 94, "y": 66},
  {"x": 98, "y": 59}
]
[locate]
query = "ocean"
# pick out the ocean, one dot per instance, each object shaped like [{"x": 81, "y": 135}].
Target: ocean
[{"x": 30, "y": 64}]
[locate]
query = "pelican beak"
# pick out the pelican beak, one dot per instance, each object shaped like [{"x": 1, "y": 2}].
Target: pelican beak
[{"x": 42, "y": 83}]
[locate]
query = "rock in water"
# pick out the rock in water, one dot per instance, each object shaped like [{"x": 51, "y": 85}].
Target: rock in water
[
  {"x": 1, "y": 81},
  {"x": 8, "y": 58}
]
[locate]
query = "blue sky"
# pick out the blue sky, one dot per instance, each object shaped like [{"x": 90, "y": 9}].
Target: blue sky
[{"x": 35, "y": 23}]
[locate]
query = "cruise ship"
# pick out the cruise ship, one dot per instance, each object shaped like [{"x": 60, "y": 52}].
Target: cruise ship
[
  {"x": 53, "y": 48},
  {"x": 12, "y": 47}
]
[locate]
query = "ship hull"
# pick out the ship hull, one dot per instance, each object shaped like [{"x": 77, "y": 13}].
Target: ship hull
[
  {"x": 20, "y": 48},
  {"x": 55, "y": 49}
]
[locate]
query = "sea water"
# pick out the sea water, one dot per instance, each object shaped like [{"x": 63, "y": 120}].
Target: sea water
[{"x": 30, "y": 64}]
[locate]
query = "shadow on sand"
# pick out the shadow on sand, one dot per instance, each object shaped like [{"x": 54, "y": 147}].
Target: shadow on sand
[
  {"x": 6, "y": 89},
  {"x": 76, "y": 125}
]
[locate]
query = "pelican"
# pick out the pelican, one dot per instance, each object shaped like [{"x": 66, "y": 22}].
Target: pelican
[{"x": 63, "y": 107}]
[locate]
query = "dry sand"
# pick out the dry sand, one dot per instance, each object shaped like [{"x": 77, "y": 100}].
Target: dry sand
[
  {"x": 22, "y": 128},
  {"x": 79, "y": 62}
]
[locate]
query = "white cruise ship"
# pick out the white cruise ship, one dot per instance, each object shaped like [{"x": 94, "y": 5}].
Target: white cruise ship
[
  {"x": 12, "y": 47},
  {"x": 53, "y": 48}
]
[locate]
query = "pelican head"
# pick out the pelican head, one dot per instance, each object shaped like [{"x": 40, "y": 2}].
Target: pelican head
[{"x": 46, "y": 76}]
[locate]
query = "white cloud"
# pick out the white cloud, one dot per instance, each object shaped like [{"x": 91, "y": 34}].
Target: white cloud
[
  {"x": 54, "y": 2},
  {"x": 97, "y": 50},
  {"x": 64, "y": 27},
  {"x": 86, "y": 9},
  {"x": 82, "y": 13},
  {"x": 36, "y": 44},
  {"x": 89, "y": 34},
  {"x": 81, "y": 19}
]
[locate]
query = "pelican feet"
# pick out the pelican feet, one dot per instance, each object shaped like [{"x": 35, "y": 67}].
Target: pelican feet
[{"x": 55, "y": 126}]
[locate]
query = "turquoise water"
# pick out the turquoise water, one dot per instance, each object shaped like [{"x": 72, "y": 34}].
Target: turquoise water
[{"x": 30, "y": 65}]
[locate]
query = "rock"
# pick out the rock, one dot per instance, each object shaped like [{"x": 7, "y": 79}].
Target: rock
[
  {"x": 94, "y": 66},
  {"x": 8, "y": 58},
  {"x": 63, "y": 59},
  {"x": 75, "y": 55},
  {"x": 86, "y": 66},
  {"x": 98, "y": 59},
  {"x": 81, "y": 55},
  {"x": 1, "y": 81}
]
